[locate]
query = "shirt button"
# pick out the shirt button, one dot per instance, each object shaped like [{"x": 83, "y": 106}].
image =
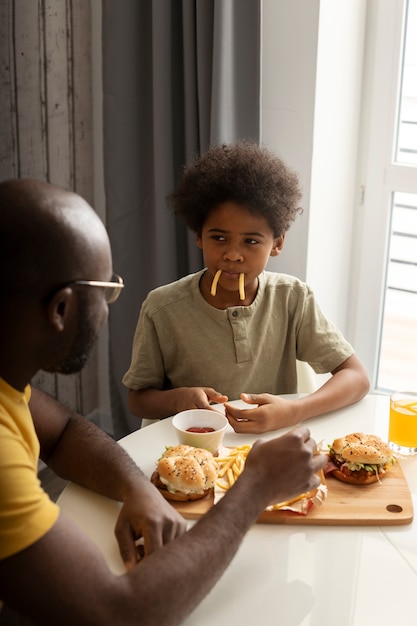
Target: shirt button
[{"x": 235, "y": 313}]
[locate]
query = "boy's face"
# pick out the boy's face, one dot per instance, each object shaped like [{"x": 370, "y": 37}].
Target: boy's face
[{"x": 236, "y": 241}]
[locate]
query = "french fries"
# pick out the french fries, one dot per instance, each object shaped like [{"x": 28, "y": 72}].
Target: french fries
[
  {"x": 213, "y": 289},
  {"x": 242, "y": 286},
  {"x": 231, "y": 466}
]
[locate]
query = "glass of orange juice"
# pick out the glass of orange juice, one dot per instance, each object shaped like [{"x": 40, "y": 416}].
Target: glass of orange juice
[{"x": 402, "y": 434}]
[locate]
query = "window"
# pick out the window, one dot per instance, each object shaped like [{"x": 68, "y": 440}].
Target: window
[
  {"x": 386, "y": 315},
  {"x": 397, "y": 364}
]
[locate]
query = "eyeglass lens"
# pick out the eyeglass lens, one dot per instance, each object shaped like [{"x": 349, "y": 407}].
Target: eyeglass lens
[{"x": 112, "y": 293}]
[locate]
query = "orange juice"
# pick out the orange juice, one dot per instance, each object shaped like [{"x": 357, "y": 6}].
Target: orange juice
[{"x": 403, "y": 423}]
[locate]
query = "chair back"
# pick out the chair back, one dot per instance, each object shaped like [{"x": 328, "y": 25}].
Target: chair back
[{"x": 306, "y": 378}]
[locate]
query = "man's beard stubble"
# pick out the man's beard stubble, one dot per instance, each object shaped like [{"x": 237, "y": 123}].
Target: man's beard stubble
[{"x": 82, "y": 346}]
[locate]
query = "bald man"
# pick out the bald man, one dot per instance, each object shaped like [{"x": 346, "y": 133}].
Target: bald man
[{"x": 55, "y": 290}]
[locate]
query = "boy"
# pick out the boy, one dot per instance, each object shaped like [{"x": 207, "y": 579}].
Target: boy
[{"x": 234, "y": 330}]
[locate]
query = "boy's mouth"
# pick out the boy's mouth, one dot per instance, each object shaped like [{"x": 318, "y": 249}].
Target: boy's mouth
[{"x": 240, "y": 276}]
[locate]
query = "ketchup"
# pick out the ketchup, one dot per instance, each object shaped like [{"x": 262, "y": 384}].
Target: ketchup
[{"x": 200, "y": 429}]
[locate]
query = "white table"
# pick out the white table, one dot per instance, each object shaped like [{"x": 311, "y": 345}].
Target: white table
[{"x": 284, "y": 574}]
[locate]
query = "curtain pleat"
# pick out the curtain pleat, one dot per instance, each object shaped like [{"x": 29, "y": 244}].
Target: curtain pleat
[{"x": 177, "y": 77}]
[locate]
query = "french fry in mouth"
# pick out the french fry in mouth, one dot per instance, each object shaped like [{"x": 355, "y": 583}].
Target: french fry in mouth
[
  {"x": 242, "y": 286},
  {"x": 216, "y": 278},
  {"x": 213, "y": 289}
]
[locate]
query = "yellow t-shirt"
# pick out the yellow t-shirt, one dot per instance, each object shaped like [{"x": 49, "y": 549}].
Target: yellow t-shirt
[{"x": 26, "y": 512}]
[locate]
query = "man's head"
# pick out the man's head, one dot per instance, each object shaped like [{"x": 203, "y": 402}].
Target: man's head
[{"x": 51, "y": 244}]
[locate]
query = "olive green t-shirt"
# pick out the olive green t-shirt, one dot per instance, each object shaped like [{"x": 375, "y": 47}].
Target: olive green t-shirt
[{"x": 182, "y": 341}]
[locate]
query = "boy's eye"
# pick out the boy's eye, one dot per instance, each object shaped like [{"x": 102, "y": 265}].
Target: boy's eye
[{"x": 222, "y": 238}]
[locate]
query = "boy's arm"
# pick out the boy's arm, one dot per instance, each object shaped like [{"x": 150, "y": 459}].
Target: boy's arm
[
  {"x": 349, "y": 383},
  {"x": 156, "y": 404}
]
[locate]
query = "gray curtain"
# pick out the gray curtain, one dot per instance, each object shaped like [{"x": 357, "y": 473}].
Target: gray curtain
[{"x": 179, "y": 76}]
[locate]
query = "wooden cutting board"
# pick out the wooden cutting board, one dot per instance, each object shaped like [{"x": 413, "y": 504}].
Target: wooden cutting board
[{"x": 387, "y": 503}]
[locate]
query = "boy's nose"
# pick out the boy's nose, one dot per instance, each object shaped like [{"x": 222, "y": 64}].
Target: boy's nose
[{"x": 233, "y": 254}]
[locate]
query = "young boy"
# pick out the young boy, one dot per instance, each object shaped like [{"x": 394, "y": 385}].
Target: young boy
[{"x": 234, "y": 330}]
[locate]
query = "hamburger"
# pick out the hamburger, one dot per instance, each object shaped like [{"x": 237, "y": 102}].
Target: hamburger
[
  {"x": 359, "y": 459},
  {"x": 185, "y": 473}
]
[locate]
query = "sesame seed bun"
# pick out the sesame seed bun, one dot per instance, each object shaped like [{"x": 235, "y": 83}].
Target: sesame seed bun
[
  {"x": 360, "y": 459},
  {"x": 361, "y": 448},
  {"x": 185, "y": 473}
]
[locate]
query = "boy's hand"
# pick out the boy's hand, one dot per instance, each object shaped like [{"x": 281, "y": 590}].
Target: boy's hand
[
  {"x": 271, "y": 413},
  {"x": 197, "y": 398}
]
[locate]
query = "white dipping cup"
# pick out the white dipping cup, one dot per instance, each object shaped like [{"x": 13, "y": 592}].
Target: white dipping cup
[{"x": 200, "y": 418}]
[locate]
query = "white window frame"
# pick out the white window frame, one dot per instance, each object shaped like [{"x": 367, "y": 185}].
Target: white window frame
[{"x": 378, "y": 177}]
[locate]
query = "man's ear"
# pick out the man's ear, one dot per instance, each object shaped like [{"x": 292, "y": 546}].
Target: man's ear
[
  {"x": 278, "y": 245},
  {"x": 199, "y": 241},
  {"x": 59, "y": 308}
]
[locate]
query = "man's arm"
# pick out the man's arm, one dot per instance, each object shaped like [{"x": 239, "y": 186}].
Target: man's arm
[
  {"x": 79, "y": 451},
  {"x": 63, "y": 578}
]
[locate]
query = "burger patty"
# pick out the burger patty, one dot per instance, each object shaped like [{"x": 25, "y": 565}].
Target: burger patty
[
  {"x": 360, "y": 473},
  {"x": 360, "y": 470},
  {"x": 156, "y": 480}
]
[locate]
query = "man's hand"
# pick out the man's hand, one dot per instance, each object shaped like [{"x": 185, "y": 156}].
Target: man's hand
[
  {"x": 146, "y": 514},
  {"x": 284, "y": 467}
]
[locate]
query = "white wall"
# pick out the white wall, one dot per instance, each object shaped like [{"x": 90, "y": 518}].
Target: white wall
[
  {"x": 311, "y": 87},
  {"x": 289, "y": 54},
  {"x": 334, "y": 192}
]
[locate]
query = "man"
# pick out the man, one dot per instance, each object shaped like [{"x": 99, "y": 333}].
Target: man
[{"x": 56, "y": 286}]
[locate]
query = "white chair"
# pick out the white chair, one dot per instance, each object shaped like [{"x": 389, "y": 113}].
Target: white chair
[
  {"x": 146, "y": 422},
  {"x": 306, "y": 378}
]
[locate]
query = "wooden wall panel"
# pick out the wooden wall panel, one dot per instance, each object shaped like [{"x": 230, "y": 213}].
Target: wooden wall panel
[
  {"x": 27, "y": 54},
  {"x": 46, "y": 122},
  {"x": 82, "y": 98},
  {"x": 59, "y": 88},
  {"x": 8, "y": 130}
]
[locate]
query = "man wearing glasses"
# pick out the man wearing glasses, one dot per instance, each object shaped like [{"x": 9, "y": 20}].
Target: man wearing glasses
[{"x": 56, "y": 285}]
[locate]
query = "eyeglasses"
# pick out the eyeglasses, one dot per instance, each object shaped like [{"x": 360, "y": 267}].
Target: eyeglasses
[{"x": 112, "y": 288}]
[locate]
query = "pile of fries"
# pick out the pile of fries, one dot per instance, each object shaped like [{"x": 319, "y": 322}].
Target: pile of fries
[{"x": 231, "y": 466}]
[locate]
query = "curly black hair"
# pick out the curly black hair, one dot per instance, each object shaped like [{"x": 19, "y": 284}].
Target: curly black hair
[{"x": 241, "y": 172}]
